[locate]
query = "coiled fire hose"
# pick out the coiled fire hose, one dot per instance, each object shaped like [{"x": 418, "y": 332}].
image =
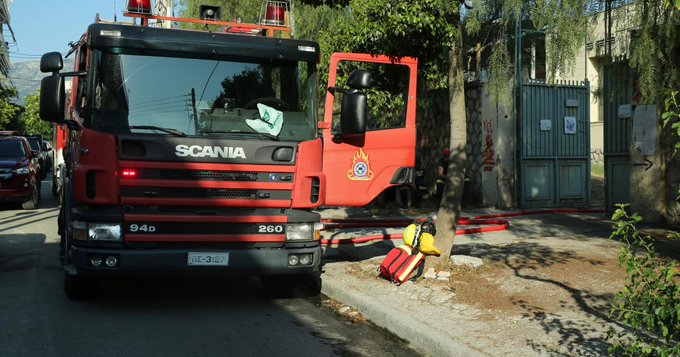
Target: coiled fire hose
[{"x": 488, "y": 223}]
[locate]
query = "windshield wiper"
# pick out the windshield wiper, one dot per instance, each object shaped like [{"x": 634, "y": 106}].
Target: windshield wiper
[
  {"x": 263, "y": 135},
  {"x": 174, "y": 132}
]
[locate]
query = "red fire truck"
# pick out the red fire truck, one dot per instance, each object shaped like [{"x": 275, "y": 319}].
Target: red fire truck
[{"x": 200, "y": 152}]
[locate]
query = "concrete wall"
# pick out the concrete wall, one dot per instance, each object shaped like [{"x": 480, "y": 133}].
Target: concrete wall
[{"x": 491, "y": 147}]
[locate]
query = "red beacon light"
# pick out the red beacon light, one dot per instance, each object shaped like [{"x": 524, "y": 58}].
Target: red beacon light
[
  {"x": 139, "y": 6},
  {"x": 274, "y": 13},
  {"x": 128, "y": 173}
]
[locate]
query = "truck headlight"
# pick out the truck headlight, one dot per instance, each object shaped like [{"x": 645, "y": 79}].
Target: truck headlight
[
  {"x": 22, "y": 170},
  {"x": 299, "y": 231},
  {"x": 303, "y": 231},
  {"x": 96, "y": 231},
  {"x": 103, "y": 231}
]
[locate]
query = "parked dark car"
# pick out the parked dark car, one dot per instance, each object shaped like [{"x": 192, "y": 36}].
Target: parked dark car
[
  {"x": 47, "y": 147},
  {"x": 19, "y": 180},
  {"x": 36, "y": 143}
]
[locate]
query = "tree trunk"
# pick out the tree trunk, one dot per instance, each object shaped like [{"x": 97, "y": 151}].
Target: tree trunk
[{"x": 449, "y": 208}]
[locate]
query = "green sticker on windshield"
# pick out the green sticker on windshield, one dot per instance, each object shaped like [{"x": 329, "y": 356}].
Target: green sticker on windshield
[{"x": 270, "y": 121}]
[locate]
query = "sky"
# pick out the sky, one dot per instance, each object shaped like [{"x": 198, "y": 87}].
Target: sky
[{"x": 42, "y": 26}]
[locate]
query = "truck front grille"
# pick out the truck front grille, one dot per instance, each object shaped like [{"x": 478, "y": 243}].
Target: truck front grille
[
  {"x": 204, "y": 193},
  {"x": 207, "y": 175}
]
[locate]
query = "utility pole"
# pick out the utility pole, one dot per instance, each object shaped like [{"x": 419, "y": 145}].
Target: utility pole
[{"x": 164, "y": 8}]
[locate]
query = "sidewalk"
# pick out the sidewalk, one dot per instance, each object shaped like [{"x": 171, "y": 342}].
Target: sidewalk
[{"x": 544, "y": 288}]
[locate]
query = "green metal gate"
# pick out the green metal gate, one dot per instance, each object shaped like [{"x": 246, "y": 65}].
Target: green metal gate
[
  {"x": 554, "y": 158},
  {"x": 616, "y": 95}
]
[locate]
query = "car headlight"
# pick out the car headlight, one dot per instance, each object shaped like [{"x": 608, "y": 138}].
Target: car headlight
[
  {"x": 96, "y": 231},
  {"x": 22, "y": 170}
]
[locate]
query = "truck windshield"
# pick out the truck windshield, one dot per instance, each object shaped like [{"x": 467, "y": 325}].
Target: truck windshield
[{"x": 158, "y": 95}]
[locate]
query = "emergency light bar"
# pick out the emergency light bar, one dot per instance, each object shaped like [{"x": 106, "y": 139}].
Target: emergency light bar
[
  {"x": 272, "y": 18},
  {"x": 274, "y": 13},
  {"x": 139, "y": 6}
]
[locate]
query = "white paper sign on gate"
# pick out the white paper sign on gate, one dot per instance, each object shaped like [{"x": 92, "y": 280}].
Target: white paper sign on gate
[{"x": 570, "y": 125}]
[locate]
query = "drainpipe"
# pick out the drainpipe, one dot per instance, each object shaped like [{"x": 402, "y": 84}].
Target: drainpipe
[{"x": 518, "y": 111}]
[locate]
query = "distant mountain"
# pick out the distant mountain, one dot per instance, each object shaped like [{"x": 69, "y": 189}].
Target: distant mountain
[{"x": 26, "y": 76}]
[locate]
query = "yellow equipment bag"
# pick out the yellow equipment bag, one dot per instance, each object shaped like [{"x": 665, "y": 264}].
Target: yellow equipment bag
[
  {"x": 427, "y": 245},
  {"x": 416, "y": 237}
]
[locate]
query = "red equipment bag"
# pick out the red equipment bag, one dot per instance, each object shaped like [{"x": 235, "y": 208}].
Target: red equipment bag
[{"x": 400, "y": 263}]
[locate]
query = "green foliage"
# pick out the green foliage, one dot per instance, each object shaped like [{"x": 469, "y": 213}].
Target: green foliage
[
  {"x": 31, "y": 118},
  {"x": 672, "y": 114},
  {"x": 312, "y": 21},
  {"x": 649, "y": 303},
  {"x": 311, "y": 18},
  {"x": 597, "y": 170},
  {"x": 500, "y": 72},
  {"x": 656, "y": 51},
  {"x": 247, "y": 10},
  {"x": 424, "y": 29},
  {"x": 7, "y": 110},
  {"x": 493, "y": 24},
  {"x": 566, "y": 27}
]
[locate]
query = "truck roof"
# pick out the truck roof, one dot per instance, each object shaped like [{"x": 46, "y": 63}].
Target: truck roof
[{"x": 201, "y": 44}]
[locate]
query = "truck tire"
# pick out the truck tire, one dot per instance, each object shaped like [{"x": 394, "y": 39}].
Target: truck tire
[
  {"x": 78, "y": 287},
  {"x": 33, "y": 202}
]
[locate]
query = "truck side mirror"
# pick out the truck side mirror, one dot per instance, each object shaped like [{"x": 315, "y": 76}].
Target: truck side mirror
[
  {"x": 360, "y": 79},
  {"x": 52, "y": 97},
  {"x": 354, "y": 105},
  {"x": 51, "y": 62},
  {"x": 354, "y": 113}
]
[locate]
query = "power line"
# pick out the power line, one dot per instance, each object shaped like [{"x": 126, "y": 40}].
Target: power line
[
  {"x": 24, "y": 54},
  {"x": 24, "y": 79}
]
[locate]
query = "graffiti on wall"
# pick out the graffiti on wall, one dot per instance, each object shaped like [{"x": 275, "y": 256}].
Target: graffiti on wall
[{"x": 488, "y": 155}]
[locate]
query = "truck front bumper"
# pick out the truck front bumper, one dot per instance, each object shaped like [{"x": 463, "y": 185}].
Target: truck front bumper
[{"x": 174, "y": 262}]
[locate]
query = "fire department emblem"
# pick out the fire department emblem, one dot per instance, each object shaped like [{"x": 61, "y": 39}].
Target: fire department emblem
[{"x": 361, "y": 167}]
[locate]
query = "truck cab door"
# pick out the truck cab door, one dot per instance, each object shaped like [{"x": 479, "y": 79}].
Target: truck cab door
[{"x": 360, "y": 165}]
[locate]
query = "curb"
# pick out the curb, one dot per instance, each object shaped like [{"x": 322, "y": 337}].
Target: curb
[{"x": 423, "y": 337}]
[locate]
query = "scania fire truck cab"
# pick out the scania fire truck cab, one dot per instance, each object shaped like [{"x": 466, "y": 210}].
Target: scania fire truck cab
[{"x": 198, "y": 152}]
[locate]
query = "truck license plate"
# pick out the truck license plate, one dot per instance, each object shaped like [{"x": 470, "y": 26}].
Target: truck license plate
[{"x": 214, "y": 259}]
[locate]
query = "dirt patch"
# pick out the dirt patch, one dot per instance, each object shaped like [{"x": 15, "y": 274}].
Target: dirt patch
[
  {"x": 519, "y": 285},
  {"x": 545, "y": 288},
  {"x": 527, "y": 279}
]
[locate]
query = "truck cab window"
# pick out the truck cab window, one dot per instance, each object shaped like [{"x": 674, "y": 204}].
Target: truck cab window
[
  {"x": 386, "y": 99},
  {"x": 81, "y": 98}
]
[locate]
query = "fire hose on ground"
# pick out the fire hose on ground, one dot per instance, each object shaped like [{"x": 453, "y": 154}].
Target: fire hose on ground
[{"x": 488, "y": 223}]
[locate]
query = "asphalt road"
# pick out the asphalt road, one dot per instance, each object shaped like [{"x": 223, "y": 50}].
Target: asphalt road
[{"x": 156, "y": 317}]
